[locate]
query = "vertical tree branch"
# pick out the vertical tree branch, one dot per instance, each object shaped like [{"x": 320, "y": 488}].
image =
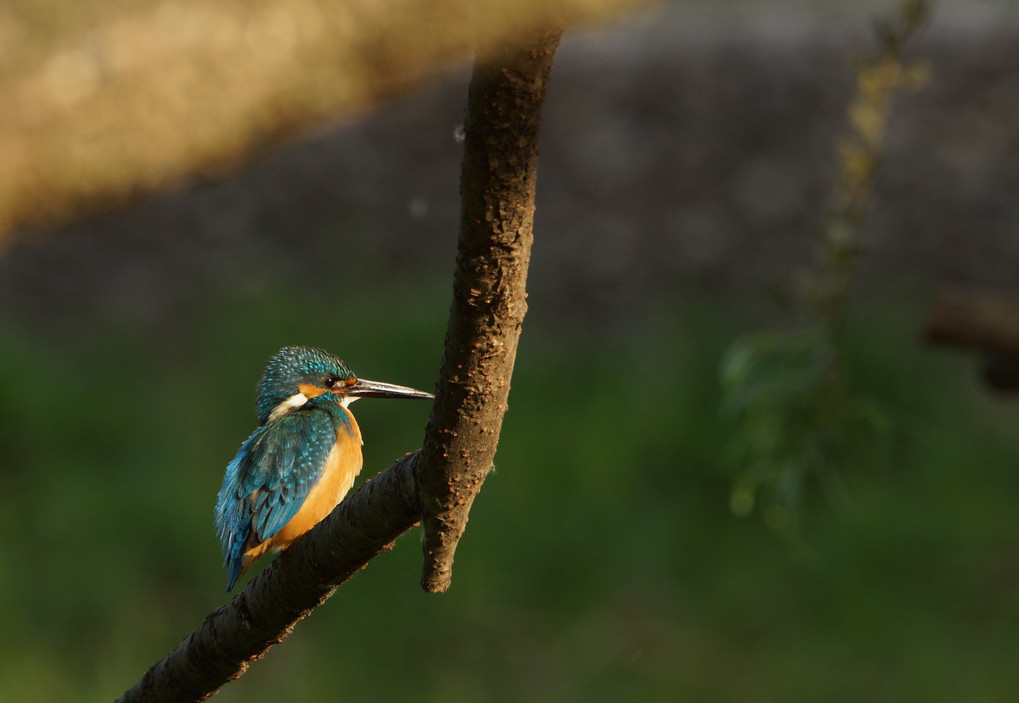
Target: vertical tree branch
[{"x": 497, "y": 184}]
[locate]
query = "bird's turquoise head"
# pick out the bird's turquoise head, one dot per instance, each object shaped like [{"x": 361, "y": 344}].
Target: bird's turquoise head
[{"x": 295, "y": 374}]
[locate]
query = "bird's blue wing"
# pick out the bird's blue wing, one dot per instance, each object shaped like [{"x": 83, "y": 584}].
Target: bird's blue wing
[
  {"x": 273, "y": 472},
  {"x": 233, "y": 516}
]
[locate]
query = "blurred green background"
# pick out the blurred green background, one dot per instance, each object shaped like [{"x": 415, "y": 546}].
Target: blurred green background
[
  {"x": 601, "y": 562},
  {"x": 679, "y": 187}
]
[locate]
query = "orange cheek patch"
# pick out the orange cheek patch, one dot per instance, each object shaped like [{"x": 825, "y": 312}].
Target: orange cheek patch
[{"x": 309, "y": 390}]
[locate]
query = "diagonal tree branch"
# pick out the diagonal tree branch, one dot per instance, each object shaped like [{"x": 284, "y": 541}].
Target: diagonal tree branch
[
  {"x": 438, "y": 483},
  {"x": 296, "y": 582},
  {"x": 973, "y": 318},
  {"x": 984, "y": 321}
]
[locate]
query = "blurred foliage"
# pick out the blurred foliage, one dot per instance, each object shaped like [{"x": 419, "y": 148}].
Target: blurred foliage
[
  {"x": 841, "y": 239},
  {"x": 797, "y": 416},
  {"x": 789, "y": 395},
  {"x": 601, "y": 561}
]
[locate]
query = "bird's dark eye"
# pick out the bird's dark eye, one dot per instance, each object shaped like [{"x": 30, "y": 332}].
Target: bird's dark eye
[{"x": 330, "y": 381}]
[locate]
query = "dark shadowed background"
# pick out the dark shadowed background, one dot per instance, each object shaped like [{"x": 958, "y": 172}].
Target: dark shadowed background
[{"x": 686, "y": 158}]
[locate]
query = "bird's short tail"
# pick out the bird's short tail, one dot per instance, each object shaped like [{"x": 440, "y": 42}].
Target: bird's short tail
[
  {"x": 235, "y": 570},
  {"x": 234, "y": 560}
]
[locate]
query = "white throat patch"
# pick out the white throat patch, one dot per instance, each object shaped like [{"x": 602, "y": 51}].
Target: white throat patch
[
  {"x": 291, "y": 403},
  {"x": 297, "y": 400}
]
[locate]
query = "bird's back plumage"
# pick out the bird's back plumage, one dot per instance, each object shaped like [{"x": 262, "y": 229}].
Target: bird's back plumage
[{"x": 276, "y": 471}]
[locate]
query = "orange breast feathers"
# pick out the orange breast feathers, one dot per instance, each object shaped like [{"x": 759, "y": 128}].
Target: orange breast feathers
[{"x": 342, "y": 466}]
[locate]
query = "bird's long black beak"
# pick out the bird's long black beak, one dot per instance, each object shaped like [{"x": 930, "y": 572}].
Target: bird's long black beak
[{"x": 363, "y": 388}]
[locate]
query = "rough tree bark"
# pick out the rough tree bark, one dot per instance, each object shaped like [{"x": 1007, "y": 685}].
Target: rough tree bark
[
  {"x": 437, "y": 484},
  {"x": 497, "y": 184}
]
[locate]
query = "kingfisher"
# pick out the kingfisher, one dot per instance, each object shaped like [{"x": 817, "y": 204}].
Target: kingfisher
[{"x": 300, "y": 461}]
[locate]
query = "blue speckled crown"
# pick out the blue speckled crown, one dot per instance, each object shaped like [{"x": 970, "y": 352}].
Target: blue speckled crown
[{"x": 289, "y": 367}]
